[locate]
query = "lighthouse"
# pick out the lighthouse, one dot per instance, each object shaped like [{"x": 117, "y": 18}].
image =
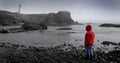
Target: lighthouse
[{"x": 19, "y": 8}]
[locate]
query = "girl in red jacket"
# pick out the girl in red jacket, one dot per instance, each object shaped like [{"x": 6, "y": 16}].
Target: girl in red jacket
[{"x": 89, "y": 40}]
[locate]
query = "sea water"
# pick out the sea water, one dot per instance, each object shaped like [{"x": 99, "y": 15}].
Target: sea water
[{"x": 53, "y": 37}]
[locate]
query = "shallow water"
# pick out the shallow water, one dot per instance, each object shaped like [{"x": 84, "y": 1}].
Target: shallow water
[{"x": 52, "y": 37}]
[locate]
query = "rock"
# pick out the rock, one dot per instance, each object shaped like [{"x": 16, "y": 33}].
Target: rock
[
  {"x": 30, "y": 26},
  {"x": 49, "y": 20},
  {"x": 44, "y": 27},
  {"x": 33, "y": 26},
  {"x": 98, "y": 40},
  {"x": 71, "y": 32},
  {"x": 15, "y": 30},
  {"x": 76, "y": 40},
  {"x": 118, "y": 44},
  {"x": 77, "y": 23},
  {"x": 63, "y": 17},
  {"x": 60, "y": 18},
  {"x": 116, "y": 47},
  {"x": 110, "y": 25},
  {"x": 64, "y": 29},
  {"x": 25, "y": 27},
  {"x": 57, "y": 19},
  {"x": 21, "y": 54},
  {"x": 113, "y": 56},
  {"x": 4, "y": 31},
  {"x": 12, "y": 30},
  {"x": 118, "y": 60},
  {"x": 8, "y": 18},
  {"x": 108, "y": 43}
]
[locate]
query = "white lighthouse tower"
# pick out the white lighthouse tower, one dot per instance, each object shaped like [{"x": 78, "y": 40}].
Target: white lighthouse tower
[{"x": 19, "y": 8}]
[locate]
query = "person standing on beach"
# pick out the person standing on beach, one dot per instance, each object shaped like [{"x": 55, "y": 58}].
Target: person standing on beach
[{"x": 89, "y": 40}]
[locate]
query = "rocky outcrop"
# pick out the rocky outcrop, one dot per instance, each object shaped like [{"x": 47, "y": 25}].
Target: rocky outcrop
[
  {"x": 77, "y": 23},
  {"x": 25, "y": 27},
  {"x": 63, "y": 17},
  {"x": 4, "y": 31},
  {"x": 110, "y": 25},
  {"x": 49, "y": 20},
  {"x": 9, "y": 18},
  {"x": 12, "y": 30},
  {"x": 31, "y": 26},
  {"x": 64, "y": 29},
  {"x": 35, "y": 18},
  {"x": 109, "y": 43},
  {"x": 60, "y": 18}
]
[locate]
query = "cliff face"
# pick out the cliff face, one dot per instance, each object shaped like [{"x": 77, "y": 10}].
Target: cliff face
[
  {"x": 63, "y": 17},
  {"x": 8, "y": 18},
  {"x": 60, "y": 18},
  {"x": 36, "y": 18},
  {"x": 49, "y": 19}
]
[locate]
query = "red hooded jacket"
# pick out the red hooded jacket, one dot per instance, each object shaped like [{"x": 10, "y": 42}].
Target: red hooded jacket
[{"x": 89, "y": 36}]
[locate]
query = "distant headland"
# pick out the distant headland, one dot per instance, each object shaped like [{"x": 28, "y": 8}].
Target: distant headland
[{"x": 53, "y": 19}]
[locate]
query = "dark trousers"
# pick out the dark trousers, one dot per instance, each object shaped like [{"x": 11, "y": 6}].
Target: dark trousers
[{"x": 89, "y": 51}]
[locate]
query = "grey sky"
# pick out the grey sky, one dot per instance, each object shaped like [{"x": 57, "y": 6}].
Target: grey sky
[{"x": 82, "y": 10}]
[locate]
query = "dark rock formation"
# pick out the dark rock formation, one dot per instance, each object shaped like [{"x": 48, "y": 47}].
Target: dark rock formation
[
  {"x": 44, "y": 27},
  {"x": 33, "y": 26},
  {"x": 4, "y": 31},
  {"x": 9, "y": 18},
  {"x": 119, "y": 44},
  {"x": 64, "y": 29},
  {"x": 12, "y": 30},
  {"x": 60, "y": 18},
  {"x": 29, "y": 26},
  {"x": 49, "y": 20},
  {"x": 108, "y": 43},
  {"x": 77, "y": 23},
  {"x": 25, "y": 27},
  {"x": 110, "y": 25},
  {"x": 35, "y": 18},
  {"x": 16, "y": 30},
  {"x": 63, "y": 17}
]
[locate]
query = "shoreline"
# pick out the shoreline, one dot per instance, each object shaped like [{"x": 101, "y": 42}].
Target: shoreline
[{"x": 65, "y": 53}]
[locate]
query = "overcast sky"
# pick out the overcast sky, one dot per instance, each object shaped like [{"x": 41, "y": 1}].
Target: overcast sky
[{"x": 97, "y": 11}]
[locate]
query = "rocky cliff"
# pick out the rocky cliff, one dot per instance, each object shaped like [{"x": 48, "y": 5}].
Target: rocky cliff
[
  {"x": 60, "y": 18},
  {"x": 9, "y": 18}
]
